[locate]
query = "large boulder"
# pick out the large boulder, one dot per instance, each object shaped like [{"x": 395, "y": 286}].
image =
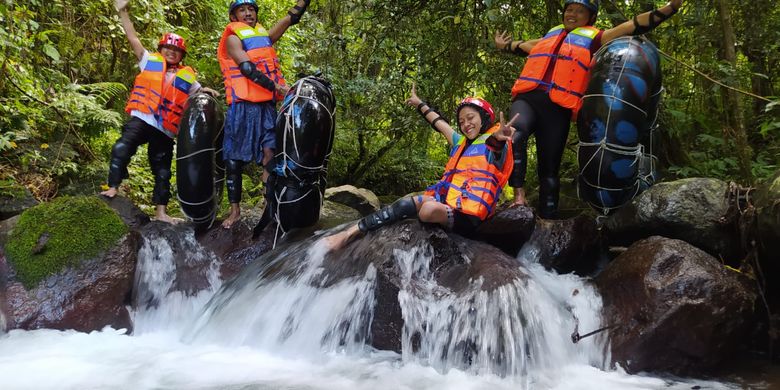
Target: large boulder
[
  {"x": 508, "y": 229},
  {"x": 697, "y": 210},
  {"x": 767, "y": 211},
  {"x": 567, "y": 245},
  {"x": 14, "y": 201},
  {"x": 673, "y": 307},
  {"x": 360, "y": 199},
  {"x": 87, "y": 297},
  {"x": 69, "y": 265}
]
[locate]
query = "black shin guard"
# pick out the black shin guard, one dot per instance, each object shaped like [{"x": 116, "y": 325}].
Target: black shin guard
[
  {"x": 549, "y": 188},
  {"x": 401, "y": 209},
  {"x": 233, "y": 169}
]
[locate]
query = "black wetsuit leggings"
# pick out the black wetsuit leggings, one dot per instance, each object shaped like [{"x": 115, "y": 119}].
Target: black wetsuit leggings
[
  {"x": 549, "y": 123},
  {"x": 160, "y": 147}
]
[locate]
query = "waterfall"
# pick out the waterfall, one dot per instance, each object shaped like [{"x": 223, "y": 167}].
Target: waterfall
[
  {"x": 164, "y": 299},
  {"x": 291, "y": 315},
  {"x": 516, "y": 330}
]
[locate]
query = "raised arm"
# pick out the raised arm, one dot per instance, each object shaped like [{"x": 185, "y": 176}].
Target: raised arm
[
  {"x": 505, "y": 43},
  {"x": 434, "y": 118},
  {"x": 292, "y": 18},
  {"x": 127, "y": 25},
  {"x": 642, "y": 23}
]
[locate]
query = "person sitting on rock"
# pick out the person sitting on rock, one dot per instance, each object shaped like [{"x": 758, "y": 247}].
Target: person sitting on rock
[
  {"x": 155, "y": 106},
  {"x": 467, "y": 194}
]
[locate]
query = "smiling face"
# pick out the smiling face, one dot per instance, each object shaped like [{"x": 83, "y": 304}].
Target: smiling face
[
  {"x": 576, "y": 15},
  {"x": 245, "y": 14},
  {"x": 172, "y": 54},
  {"x": 470, "y": 122}
]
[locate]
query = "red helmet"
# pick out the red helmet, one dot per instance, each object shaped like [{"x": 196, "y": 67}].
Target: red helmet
[
  {"x": 483, "y": 107},
  {"x": 171, "y": 39}
]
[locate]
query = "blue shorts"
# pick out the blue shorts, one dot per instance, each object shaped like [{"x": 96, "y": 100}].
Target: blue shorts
[{"x": 249, "y": 127}]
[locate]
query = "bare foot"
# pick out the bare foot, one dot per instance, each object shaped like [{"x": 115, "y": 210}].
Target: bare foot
[
  {"x": 109, "y": 193},
  {"x": 519, "y": 198},
  {"x": 167, "y": 218},
  {"x": 342, "y": 238},
  {"x": 161, "y": 215},
  {"x": 235, "y": 215}
]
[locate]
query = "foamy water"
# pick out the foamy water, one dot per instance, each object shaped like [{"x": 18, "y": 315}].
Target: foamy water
[{"x": 287, "y": 334}]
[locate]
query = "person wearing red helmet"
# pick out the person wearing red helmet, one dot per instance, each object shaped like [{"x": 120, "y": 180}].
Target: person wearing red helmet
[
  {"x": 468, "y": 192},
  {"x": 155, "y": 106},
  {"x": 253, "y": 84},
  {"x": 548, "y": 92}
]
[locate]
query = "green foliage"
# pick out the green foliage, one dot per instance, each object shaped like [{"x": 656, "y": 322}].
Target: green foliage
[{"x": 73, "y": 237}]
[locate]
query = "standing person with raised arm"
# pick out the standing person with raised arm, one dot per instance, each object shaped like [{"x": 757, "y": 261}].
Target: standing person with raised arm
[
  {"x": 467, "y": 193},
  {"x": 156, "y": 105},
  {"x": 253, "y": 84},
  {"x": 548, "y": 93}
]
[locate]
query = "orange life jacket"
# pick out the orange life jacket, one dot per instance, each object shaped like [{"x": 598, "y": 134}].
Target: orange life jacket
[
  {"x": 473, "y": 178},
  {"x": 572, "y": 64},
  {"x": 258, "y": 46},
  {"x": 151, "y": 94}
]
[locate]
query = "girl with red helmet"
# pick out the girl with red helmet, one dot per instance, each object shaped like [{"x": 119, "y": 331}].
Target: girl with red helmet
[
  {"x": 466, "y": 195},
  {"x": 548, "y": 92},
  {"x": 155, "y": 107}
]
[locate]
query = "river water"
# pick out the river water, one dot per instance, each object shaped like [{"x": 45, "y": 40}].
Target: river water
[{"x": 282, "y": 333}]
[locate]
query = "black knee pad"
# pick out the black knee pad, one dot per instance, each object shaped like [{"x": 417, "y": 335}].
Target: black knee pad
[
  {"x": 121, "y": 154},
  {"x": 400, "y": 209},
  {"x": 233, "y": 182}
]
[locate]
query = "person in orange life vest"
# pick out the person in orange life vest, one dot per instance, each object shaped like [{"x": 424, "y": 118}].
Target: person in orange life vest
[
  {"x": 548, "y": 92},
  {"x": 155, "y": 106},
  {"x": 253, "y": 84},
  {"x": 479, "y": 167}
]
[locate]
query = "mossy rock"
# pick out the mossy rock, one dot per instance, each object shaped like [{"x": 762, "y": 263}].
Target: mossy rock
[{"x": 59, "y": 234}]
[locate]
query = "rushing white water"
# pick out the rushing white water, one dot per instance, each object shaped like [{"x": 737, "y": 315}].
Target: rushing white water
[{"x": 285, "y": 333}]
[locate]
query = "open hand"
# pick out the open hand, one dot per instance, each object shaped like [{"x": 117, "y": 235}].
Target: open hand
[
  {"x": 505, "y": 131},
  {"x": 414, "y": 100},
  {"x": 503, "y": 40},
  {"x": 121, "y": 5}
]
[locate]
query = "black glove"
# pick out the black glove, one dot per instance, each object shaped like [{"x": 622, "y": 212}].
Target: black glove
[{"x": 296, "y": 17}]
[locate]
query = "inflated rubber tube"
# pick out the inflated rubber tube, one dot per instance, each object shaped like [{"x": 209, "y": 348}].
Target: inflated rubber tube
[
  {"x": 616, "y": 123},
  {"x": 305, "y": 129},
  {"x": 200, "y": 171}
]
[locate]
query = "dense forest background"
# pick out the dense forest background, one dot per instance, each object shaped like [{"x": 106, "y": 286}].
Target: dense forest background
[{"x": 65, "y": 69}]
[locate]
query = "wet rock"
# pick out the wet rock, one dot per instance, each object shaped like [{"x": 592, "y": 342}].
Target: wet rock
[
  {"x": 767, "y": 212},
  {"x": 568, "y": 245},
  {"x": 6, "y": 226},
  {"x": 456, "y": 263},
  {"x": 360, "y": 199},
  {"x": 696, "y": 210},
  {"x": 674, "y": 308},
  {"x": 16, "y": 203},
  {"x": 177, "y": 243},
  {"x": 86, "y": 298},
  {"x": 508, "y": 229},
  {"x": 235, "y": 246},
  {"x": 131, "y": 215}
]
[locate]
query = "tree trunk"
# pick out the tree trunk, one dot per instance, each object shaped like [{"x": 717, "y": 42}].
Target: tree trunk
[{"x": 735, "y": 128}]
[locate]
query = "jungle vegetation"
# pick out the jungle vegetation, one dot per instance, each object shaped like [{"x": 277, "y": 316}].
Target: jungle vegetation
[{"x": 66, "y": 67}]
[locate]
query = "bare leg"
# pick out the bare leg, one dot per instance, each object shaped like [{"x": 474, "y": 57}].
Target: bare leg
[
  {"x": 433, "y": 212},
  {"x": 162, "y": 215},
  {"x": 268, "y": 154},
  {"x": 235, "y": 215},
  {"x": 339, "y": 240},
  {"x": 110, "y": 192}
]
